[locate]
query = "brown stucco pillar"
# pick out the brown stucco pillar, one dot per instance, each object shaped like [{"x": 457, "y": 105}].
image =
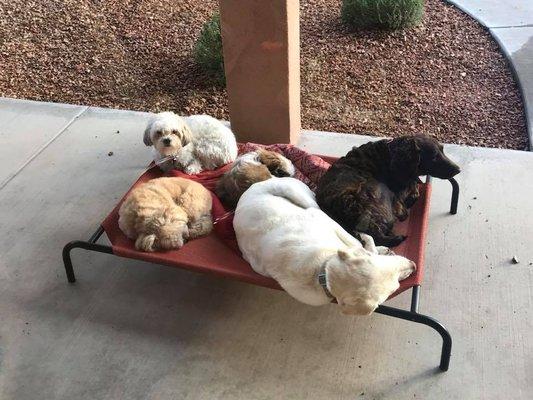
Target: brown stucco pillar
[{"x": 262, "y": 62}]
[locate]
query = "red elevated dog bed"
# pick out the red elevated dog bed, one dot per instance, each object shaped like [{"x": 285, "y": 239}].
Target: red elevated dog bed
[{"x": 217, "y": 253}]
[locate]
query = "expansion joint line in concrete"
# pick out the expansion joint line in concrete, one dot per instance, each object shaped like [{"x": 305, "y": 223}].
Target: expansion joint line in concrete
[{"x": 43, "y": 147}]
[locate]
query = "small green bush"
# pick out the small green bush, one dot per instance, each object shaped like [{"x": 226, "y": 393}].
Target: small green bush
[
  {"x": 208, "y": 50},
  {"x": 388, "y": 14}
]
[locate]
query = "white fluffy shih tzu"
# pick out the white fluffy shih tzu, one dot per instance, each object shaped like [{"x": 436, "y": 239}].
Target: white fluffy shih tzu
[{"x": 191, "y": 144}]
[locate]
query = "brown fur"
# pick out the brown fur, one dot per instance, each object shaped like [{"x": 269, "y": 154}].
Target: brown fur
[
  {"x": 273, "y": 162},
  {"x": 375, "y": 184},
  {"x": 163, "y": 213},
  {"x": 242, "y": 175}
]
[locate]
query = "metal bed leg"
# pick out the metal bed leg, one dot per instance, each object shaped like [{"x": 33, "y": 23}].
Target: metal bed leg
[
  {"x": 455, "y": 196},
  {"x": 411, "y": 315},
  {"x": 425, "y": 320},
  {"x": 80, "y": 244},
  {"x": 415, "y": 298},
  {"x": 96, "y": 235}
]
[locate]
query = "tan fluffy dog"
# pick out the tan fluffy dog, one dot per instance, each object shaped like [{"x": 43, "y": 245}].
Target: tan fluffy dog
[{"x": 163, "y": 213}]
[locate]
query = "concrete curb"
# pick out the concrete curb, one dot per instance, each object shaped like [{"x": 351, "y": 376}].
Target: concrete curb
[{"x": 516, "y": 76}]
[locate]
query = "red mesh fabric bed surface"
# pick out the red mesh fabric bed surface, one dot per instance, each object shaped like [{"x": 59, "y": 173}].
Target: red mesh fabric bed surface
[{"x": 212, "y": 254}]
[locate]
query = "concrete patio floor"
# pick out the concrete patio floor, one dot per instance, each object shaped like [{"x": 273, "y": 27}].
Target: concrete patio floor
[{"x": 131, "y": 330}]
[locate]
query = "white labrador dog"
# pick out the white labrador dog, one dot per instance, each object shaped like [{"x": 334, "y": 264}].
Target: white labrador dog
[{"x": 284, "y": 235}]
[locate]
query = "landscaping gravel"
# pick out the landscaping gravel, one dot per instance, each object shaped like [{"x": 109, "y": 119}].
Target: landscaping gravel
[{"x": 446, "y": 77}]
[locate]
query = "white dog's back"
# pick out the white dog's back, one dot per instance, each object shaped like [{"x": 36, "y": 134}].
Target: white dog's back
[
  {"x": 214, "y": 142},
  {"x": 283, "y": 234},
  {"x": 281, "y": 215}
]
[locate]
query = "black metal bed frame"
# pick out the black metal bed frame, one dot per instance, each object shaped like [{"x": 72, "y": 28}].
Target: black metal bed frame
[{"x": 409, "y": 315}]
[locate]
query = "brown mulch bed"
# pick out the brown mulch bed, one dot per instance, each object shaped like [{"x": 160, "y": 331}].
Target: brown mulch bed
[{"x": 446, "y": 77}]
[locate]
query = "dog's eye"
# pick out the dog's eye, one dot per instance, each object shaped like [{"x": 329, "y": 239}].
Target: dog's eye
[
  {"x": 174, "y": 131},
  {"x": 158, "y": 133}
]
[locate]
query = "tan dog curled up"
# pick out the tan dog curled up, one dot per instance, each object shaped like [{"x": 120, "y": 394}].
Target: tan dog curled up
[{"x": 165, "y": 212}]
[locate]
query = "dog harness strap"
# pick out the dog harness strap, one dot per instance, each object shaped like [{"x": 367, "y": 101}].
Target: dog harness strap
[
  {"x": 165, "y": 159},
  {"x": 223, "y": 216},
  {"x": 161, "y": 161},
  {"x": 322, "y": 281}
]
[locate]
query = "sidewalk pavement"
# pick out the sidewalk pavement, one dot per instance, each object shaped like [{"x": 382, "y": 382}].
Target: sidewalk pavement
[{"x": 132, "y": 330}]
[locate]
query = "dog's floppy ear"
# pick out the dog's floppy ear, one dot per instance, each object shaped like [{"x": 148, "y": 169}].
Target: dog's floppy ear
[
  {"x": 344, "y": 255},
  {"x": 404, "y": 158},
  {"x": 351, "y": 254},
  {"x": 273, "y": 162},
  {"x": 186, "y": 135},
  {"x": 357, "y": 306},
  {"x": 146, "y": 138}
]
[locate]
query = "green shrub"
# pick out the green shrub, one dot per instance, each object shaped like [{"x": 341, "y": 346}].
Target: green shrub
[
  {"x": 208, "y": 50},
  {"x": 388, "y": 14}
]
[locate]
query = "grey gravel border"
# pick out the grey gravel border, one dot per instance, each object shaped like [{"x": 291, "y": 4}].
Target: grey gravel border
[{"x": 516, "y": 76}]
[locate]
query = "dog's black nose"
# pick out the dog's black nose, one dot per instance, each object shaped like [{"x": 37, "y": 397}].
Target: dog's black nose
[{"x": 166, "y": 141}]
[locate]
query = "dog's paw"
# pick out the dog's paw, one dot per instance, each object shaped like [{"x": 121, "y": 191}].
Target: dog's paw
[
  {"x": 403, "y": 215},
  {"x": 385, "y": 251},
  {"x": 406, "y": 272},
  {"x": 186, "y": 233},
  {"x": 173, "y": 242},
  {"x": 368, "y": 242},
  {"x": 176, "y": 164},
  {"x": 400, "y": 211},
  {"x": 146, "y": 243},
  {"x": 173, "y": 235}
]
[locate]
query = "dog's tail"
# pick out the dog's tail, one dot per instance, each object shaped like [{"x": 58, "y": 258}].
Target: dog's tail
[{"x": 291, "y": 189}]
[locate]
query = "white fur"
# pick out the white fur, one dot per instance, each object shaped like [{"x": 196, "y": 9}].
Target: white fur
[
  {"x": 284, "y": 235},
  {"x": 198, "y": 142}
]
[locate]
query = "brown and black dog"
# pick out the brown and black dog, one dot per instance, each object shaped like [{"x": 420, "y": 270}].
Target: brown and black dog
[
  {"x": 250, "y": 168},
  {"x": 375, "y": 184}
]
